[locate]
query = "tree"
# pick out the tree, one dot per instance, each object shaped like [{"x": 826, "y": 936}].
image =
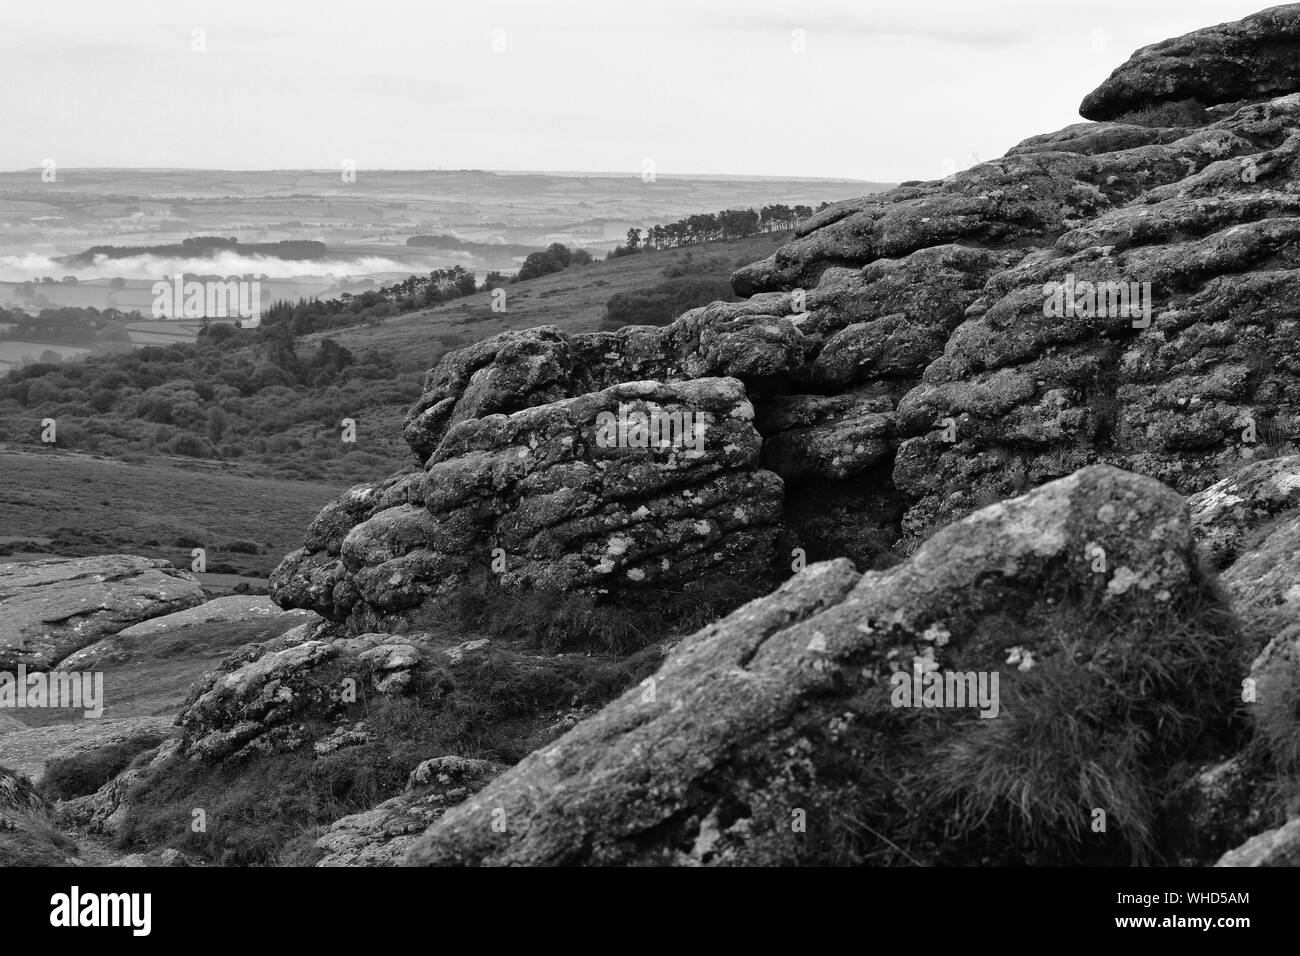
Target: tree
[
  {"x": 216, "y": 425},
  {"x": 634, "y": 239}
]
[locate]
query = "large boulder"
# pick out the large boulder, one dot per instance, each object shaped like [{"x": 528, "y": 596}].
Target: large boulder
[
  {"x": 30, "y": 749},
  {"x": 776, "y": 735},
  {"x": 151, "y": 665},
  {"x": 56, "y": 606},
  {"x": 1252, "y": 58},
  {"x": 568, "y": 495},
  {"x": 266, "y": 697},
  {"x": 382, "y": 836}
]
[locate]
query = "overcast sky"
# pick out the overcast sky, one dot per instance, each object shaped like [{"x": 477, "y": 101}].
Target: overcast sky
[{"x": 882, "y": 90}]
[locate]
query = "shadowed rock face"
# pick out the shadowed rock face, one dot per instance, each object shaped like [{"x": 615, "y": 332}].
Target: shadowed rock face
[
  {"x": 1253, "y": 58},
  {"x": 786, "y": 704}
]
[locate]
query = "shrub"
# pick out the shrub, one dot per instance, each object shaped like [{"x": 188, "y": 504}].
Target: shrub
[
  {"x": 660, "y": 304},
  {"x": 1176, "y": 113}
]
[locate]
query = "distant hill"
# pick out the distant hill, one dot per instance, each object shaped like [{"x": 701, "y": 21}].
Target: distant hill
[{"x": 205, "y": 248}]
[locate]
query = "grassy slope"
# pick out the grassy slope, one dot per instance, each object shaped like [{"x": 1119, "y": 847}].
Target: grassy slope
[
  {"x": 574, "y": 300},
  {"x": 93, "y": 505}
]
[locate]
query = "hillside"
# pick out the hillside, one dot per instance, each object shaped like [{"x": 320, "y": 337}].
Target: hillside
[
  {"x": 302, "y": 463},
  {"x": 964, "y": 533},
  {"x": 55, "y": 502},
  {"x": 573, "y": 300}
]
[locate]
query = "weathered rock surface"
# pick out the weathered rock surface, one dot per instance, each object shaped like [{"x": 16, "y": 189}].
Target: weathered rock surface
[
  {"x": 150, "y": 666},
  {"x": 775, "y": 708},
  {"x": 1226, "y": 515},
  {"x": 565, "y": 508},
  {"x": 27, "y": 838},
  {"x": 57, "y": 606},
  {"x": 19, "y": 799},
  {"x": 261, "y": 698},
  {"x": 232, "y": 611},
  {"x": 1280, "y": 847},
  {"x": 381, "y": 836},
  {"x": 1248, "y": 524},
  {"x": 29, "y": 749},
  {"x": 1250, "y": 59}
]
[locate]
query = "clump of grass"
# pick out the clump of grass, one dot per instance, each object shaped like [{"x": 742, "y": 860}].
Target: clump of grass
[
  {"x": 35, "y": 843},
  {"x": 1187, "y": 112},
  {"x": 494, "y": 705},
  {"x": 556, "y": 622},
  {"x": 1109, "y": 717},
  {"x": 1096, "y": 726},
  {"x": 84, "y": 773}
]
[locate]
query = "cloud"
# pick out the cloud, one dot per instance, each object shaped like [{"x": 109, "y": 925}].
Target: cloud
[{"x": 21, "y": 268}]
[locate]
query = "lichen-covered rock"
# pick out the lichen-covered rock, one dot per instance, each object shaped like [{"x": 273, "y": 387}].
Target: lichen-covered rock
[
  {"x": 1218, "y": 808},
  {"x": 104, "y": 811},
  {"x": 1279, "y": 847},
  {"x": 783, "y": 710},
  {"x": 55, "y": 606},
  {"x": 264, "y": 698},
  {"x": 560, "y": 496},
  {"x": 835, "y": 436},
  {"x": 1228, "y": 513},
  {"x": 1250, "y": 59},
  {"x": 1183, "y": 383},
  {"x": 381, "y": 836}
]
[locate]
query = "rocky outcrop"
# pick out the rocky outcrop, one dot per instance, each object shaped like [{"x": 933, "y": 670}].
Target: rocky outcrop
[
  {"x": 1280, "y": 847},
  {"x": 911, "y": 355},
  {"x": 248, "y": 615},
  {"x": 262, "y": 699},
  {"x": 572, "y": 494},
  {"x": 149, "y": 667},
  {"x": 1228, "y": 514},
  {"x": 57, "y": 606},
  {"x": 19, "y": 799},
  {"x": 1253, "y": 58},
  {"x": 1112, "y": 295},
  {"x": 27, "y": 837},
  {"x": 30, "y": 749},
  {"x": 382, "y": 836},
  {"x": 786, "y": 710},
  {"x": 1248, "y": 525}
]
